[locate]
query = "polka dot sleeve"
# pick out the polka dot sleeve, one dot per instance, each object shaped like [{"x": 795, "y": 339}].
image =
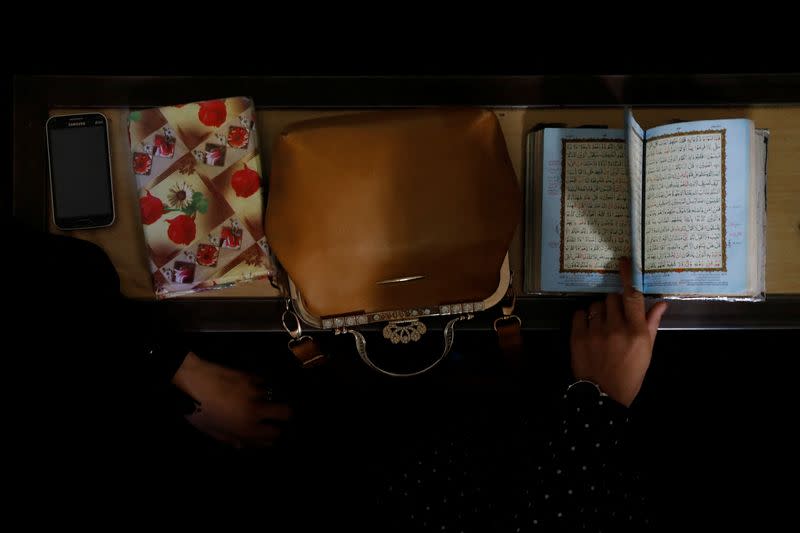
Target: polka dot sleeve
[
  {"x": 571, "y": 475},
  {"x": 583, "y": 480}
]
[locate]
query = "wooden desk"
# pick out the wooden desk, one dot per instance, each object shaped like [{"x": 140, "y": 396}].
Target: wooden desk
[{"x": 535, "y": 100}]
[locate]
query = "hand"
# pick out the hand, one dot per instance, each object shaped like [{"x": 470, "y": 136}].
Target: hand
[
  {"x": 233, "y": 406},
  {"x": 613, "y": 344}
]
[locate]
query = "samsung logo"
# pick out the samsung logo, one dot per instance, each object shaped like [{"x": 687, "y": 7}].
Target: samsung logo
[{"x": 77, "y": 124}]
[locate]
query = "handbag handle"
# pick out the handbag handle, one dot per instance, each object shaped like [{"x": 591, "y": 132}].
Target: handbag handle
[{"x": 449, "y": 336}]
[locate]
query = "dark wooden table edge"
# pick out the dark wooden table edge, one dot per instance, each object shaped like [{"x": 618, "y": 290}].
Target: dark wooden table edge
[{"x": 777, "y": 312}]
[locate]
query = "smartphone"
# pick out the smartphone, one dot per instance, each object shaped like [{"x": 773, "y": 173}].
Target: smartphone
[{"x": 80, "y": 171}]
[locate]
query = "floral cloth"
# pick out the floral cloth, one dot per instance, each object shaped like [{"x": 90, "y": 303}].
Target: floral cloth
[{"x": 199, "y": 174}]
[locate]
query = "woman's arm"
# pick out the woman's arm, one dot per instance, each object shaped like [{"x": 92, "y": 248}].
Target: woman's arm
[{"x": 588, "y": 480}]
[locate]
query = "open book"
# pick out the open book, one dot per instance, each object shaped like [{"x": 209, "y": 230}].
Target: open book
[{"x": 685, "y": 201}]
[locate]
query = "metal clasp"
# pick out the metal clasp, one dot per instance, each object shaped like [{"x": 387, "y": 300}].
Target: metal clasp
[
  {"x": 506, "y": 317},
  {"x": 296, "y": 332},
  {"x": 508, "y": 307}
]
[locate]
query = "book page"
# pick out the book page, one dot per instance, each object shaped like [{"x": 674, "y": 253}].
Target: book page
[
  {"x": 594, "y": 205},
  {"x": 634, "y": 152},
  {"x": 696, "y": 207},
  {"x": 685, "y": 197},
  {"x": 584, "y": 212}
]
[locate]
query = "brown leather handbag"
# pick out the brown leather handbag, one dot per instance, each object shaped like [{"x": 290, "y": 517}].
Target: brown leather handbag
[{"x": 391, "y": 217}]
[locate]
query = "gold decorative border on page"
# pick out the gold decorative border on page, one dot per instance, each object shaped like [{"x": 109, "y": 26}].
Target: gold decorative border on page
[
  {"x": 724, "y": 267},
  {"x": 563, "y": 208}
]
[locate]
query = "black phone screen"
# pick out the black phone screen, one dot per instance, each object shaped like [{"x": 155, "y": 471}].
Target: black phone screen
[{"x": 80, "y": 171}]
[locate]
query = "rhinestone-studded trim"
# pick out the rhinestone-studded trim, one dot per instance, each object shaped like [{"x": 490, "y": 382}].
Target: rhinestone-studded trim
[{"x": 336, "y": 322}]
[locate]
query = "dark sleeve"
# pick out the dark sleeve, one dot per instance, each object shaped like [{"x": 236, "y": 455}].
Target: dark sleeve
[
  {"x": 87, "y": 400},
  {"x": 585, "y": 478},
  {"x": 84, "y": 331},
  {"x": 570, "y": 474},
  {"x": 156, "y": 351},
  {"x": 149, "y": 346}
]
